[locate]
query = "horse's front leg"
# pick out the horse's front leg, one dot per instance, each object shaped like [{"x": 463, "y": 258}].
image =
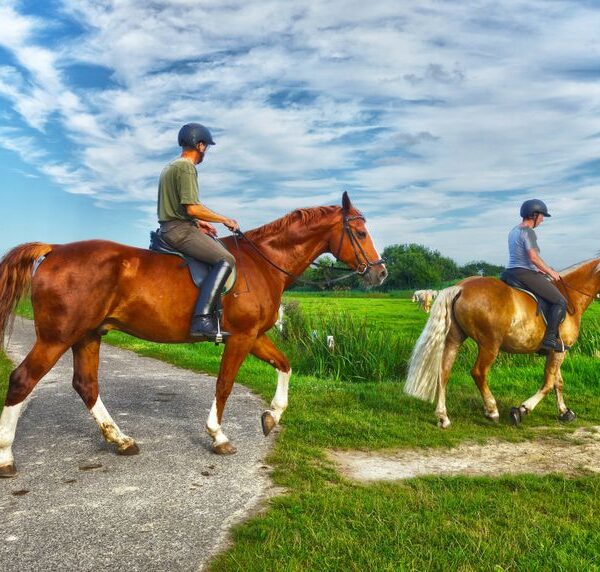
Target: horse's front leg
[
  {"x": 265, "y": 350},
  {"x": 551, "y": 375},
  {"x": 237, "y": 348},
  {"x": 564, "y": 413}
]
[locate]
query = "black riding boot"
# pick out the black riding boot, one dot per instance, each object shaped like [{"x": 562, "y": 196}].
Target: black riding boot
[
  {"x": 205, "y": 322},
  {"x": 551, "y": 340}
]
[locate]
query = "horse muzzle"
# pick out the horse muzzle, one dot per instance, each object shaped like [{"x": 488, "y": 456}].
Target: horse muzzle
[{"x": 375, "y": 275}]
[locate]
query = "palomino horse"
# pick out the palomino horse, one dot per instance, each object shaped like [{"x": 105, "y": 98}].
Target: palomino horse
[
  {"x": 424, "y": 299},
  {"x": 497, "y": 317},
  {"x": 84, "y": 289}
]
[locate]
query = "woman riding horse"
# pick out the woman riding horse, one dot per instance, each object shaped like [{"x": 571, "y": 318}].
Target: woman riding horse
[{"x": 526, "y": 266}]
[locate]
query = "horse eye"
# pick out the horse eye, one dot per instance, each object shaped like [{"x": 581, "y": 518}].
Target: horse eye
[{"x": 361, "y": 234}]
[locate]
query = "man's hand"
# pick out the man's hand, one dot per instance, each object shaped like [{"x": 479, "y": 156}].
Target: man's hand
[
  {"x": 231, "y": 224},
  {"x": 206, "y": 227}
]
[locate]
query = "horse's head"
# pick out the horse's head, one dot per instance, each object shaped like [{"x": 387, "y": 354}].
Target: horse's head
[{"x": 352, "y": 244}]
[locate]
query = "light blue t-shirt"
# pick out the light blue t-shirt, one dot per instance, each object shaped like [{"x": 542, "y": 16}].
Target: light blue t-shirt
[{"x": 520, "y": 240}]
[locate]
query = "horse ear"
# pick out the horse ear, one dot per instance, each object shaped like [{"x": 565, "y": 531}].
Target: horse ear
[{"x": 346, "y": 204}]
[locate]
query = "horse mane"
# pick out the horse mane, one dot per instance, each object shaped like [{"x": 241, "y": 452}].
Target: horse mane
[
  {"x": 303, "y": 217},
  {"x": 579, "y": 265}
]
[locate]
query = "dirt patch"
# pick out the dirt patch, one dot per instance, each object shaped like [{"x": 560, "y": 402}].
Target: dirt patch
[{"x": 578, "y": 453}]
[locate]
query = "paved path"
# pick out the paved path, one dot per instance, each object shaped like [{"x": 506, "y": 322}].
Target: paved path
[{"x": 87, "y": 508}]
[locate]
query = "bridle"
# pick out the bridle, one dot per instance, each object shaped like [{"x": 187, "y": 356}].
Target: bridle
[
  {"x": 565, "y": 285},
  {"x": 362, "y": 267},
  {"x": 366, "y": 264}
]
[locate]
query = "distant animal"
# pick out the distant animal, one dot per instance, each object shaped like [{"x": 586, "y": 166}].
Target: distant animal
[
  {"x": 498, "y": 318},
  {"x": 424, "y": 299}
]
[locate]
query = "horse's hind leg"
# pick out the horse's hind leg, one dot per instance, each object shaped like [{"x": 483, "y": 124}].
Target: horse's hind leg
[
  {"x": 265, "y": 350},
  {"x": 85, "y": 381},
  {"x": 22, "y": 380},
  {"x": 485, "y": 358},
  {"x": 454, "y": 340}
]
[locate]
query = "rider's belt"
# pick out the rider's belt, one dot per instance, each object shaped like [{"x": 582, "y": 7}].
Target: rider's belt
[{"x": 168, "y": 225}]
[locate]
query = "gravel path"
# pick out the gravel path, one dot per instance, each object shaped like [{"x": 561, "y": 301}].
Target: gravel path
[{"x": 76, "y": 505}]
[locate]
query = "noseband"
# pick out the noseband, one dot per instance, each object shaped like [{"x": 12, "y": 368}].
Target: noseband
[{"x": 362, "y": 266}]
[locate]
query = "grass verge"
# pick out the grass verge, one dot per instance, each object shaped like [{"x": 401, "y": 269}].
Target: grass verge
[
  {"x": 6, "y": 367},
  {"x": 325, "y": 522}
]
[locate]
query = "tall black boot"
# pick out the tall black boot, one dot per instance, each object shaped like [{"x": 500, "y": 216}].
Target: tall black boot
[
  {"x": 205, "y": 322},
  {"x": 551, "y": 340}
]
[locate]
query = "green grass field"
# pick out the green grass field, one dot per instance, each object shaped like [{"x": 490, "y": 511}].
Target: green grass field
[{"x": 324, "y": 522}]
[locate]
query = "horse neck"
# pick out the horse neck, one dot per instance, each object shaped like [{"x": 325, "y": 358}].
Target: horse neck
[
  {"x": 586, "y": 280},
  {"x": 295, "y": 247}
]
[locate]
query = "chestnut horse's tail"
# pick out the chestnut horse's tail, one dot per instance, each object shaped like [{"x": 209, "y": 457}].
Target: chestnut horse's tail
[
  {"x": 15, "y": 278},
  {"x": 425, "y": 366}
]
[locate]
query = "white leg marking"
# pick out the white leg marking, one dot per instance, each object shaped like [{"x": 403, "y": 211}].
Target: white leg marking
[
  {"x": 440, "y": 410},
  {"x": 213, "y": 428},
  {"x": 110, "y": 430},
  {"x": 8, "y": 426},
  {"x": 533, "y": 401},
  {"x": 280, "y": 401}
]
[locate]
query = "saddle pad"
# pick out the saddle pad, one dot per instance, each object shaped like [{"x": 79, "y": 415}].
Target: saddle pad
[
  {"x": 198, "y": 270},
  {"x": 542, "y": 305}
]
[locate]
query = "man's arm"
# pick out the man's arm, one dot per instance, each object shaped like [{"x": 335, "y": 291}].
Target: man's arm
[
  {"x": 203, "y": 213},
  {"x": 539, "y": 263}
]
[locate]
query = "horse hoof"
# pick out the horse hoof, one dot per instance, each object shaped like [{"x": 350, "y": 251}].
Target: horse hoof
[
  {"x": 494, "y": 418},
  {"x": 224, "y": 449},
  {"x": 515, "y": 416},
  {"x": 8, "y": 471},
  {"x": 128, "y": 450},
  {"x": 567, "y": 416},
  {"x": 443, "y": 423},
  {"x": 268, "y": 422}
]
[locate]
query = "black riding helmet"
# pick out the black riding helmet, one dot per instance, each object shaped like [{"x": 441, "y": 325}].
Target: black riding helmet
[
  {"x": 193, "y": 133},
  {"x": 532, "y": 207}
]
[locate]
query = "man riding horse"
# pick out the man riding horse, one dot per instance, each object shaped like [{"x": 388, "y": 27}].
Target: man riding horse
[
  {"x": 526, "y": 265},
  {"x": 185, "y": 225}
]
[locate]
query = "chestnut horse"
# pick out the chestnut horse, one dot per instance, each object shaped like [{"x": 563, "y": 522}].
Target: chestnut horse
[
  {"x": 498, "y": 318},
  {"x": 84, "y": 289}
]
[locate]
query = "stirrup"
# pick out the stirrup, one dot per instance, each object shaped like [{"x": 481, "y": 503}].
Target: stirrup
[
  {"x": 211, "y": 331},
  {"x": 556, "y": 345},
  {"x": 219, "y": 336}
]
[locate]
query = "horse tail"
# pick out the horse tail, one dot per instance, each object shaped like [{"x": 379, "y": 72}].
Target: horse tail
[
  {"x": 425, "y": 365},
  {"x": 16, "y": 271}
]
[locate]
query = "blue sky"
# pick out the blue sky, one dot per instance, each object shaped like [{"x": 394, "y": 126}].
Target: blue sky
[{"x": 439, "y": 118}]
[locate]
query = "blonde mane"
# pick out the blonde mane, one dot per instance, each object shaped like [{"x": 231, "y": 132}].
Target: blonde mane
[{"x": 578, "y": 265}]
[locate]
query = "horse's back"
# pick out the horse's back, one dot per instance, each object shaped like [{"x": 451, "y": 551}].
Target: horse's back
[
  {"x": 81, "y": 285},
  {"x": 489, "y": 309}
]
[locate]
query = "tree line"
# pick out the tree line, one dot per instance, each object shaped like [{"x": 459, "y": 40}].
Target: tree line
[{"x": 410, "y": 266}]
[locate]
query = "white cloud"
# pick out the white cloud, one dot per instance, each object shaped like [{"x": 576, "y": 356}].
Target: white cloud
[{"x": 424, "y": 111}]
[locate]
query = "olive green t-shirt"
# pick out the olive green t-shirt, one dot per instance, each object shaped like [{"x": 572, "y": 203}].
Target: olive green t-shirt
[{"x": 177, "y": 186}]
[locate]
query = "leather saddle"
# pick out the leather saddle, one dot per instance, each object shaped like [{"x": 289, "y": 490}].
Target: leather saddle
[
  {"x": 198, "y": 270},
  {"x": 542, "y": 305}
]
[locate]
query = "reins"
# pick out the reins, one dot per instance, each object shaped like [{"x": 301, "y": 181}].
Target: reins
[
  {"x": 565, "y": 285},
  {"x": 364, "y": 265}
]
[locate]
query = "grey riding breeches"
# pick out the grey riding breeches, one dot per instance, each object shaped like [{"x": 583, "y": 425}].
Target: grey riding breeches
[{"x": 187, "y": 238}]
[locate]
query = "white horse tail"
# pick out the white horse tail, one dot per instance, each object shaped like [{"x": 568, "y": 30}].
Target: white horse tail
[{"x": 425, "y": 365}]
